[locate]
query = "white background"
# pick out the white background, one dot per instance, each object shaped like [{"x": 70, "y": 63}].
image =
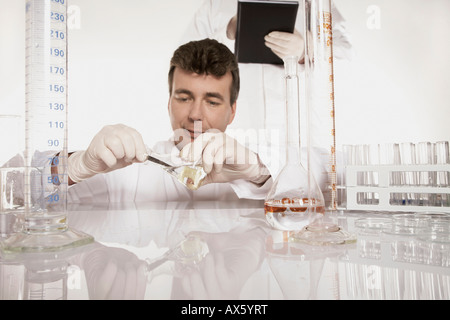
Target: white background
[{"x": 395, "y": 89}]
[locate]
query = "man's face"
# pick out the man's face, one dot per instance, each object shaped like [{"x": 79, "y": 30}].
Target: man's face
[{"x": 199, "y": 103}]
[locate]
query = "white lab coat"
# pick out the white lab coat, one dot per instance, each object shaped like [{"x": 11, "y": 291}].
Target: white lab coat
[
  {"x": 146, "y": 182},
  {"x": 261, "y": 101}
]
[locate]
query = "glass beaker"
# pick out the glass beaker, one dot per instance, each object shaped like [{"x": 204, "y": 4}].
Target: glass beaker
[
  {"x": 44, "y": 222},
  {"x": 294, "y": 195},
  {"x": 321, "y": 229},
  {"x": 11, "y": 173}
]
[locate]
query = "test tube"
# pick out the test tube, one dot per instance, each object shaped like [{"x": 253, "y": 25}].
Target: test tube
[
  {"x": 443, "y": 178},
  {"x": 389, "y": 154},
  {"x": 425, "y": 156},
  {"x": 409, "y": 178}
]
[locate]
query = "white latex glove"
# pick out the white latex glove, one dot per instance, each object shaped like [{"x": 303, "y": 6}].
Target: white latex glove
[
  {"x": 114, "y": 147},
  {"x": 224, "y": 159},
  {"x": 114, "y": 274},
  {"x": 285, "y": 44}
]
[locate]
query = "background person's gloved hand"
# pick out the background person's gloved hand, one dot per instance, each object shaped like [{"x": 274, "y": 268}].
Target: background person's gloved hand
[
  {"x": 224, "y": 159},
  {"x": 285, "y": 44},
  {"x": 114, "y": 147}
]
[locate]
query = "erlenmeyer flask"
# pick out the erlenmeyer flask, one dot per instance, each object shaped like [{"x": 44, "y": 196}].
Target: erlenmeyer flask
[{"x": 294, "y": 195}]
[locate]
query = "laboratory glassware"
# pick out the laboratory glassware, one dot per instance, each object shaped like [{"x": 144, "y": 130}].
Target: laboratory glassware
[
  {"x": 46, "y": 280},
  {"x": 408, "y": 157},
  {"x": 191, "y": 175},
  {"x": 11, "y": 179},
  {"x": 44, "y": 222},
  {"x": 189, "y": 252},
  {"x": 443, "y": 178},
  {"x": 409, "y": 177},
  {"x": 319, "y": 88},
  {"x": 11, "y": 163},
  {"x": 294, "y": 195},
  {"x": 303, "y": 271},
  {"x": 321, "y": 229},
  {"x": 7, "y": 224}
]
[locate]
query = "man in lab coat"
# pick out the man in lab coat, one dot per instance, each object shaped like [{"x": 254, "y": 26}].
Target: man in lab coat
[{"x": 204, "y": 85}]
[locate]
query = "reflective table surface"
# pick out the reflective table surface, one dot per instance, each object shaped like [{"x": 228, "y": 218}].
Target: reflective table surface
[{"x": 217, "y": 250}]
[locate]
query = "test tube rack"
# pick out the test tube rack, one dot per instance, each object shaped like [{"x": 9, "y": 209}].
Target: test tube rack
[{"x": 383, "y": 193}]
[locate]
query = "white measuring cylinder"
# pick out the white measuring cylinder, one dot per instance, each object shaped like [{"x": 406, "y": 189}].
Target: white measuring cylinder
[{"x": 46, "y": 114}]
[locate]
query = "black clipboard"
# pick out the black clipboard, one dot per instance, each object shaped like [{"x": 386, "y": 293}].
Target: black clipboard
[{"x": 255, "y": 19}]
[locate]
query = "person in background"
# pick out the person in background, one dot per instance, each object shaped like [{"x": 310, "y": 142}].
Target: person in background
[{"x": 261, "y": 98}]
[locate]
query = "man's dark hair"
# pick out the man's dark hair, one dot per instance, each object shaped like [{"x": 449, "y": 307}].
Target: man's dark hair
[{"x": 208, "y": 57}]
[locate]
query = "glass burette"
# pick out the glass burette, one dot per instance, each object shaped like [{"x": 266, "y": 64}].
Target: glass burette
[{"x": 321, "y": 230}]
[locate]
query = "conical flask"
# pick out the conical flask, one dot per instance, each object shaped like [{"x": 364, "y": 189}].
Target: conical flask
[{"x": 295, "y": 195}]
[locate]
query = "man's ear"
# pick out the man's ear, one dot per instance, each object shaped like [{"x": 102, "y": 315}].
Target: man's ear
[{"x": 233, "y": 112}]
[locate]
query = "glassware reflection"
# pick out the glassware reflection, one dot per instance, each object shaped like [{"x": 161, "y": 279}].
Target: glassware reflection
[
  {"x": 398, "y": 264},
  {"x": 304, "y": 271}
]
